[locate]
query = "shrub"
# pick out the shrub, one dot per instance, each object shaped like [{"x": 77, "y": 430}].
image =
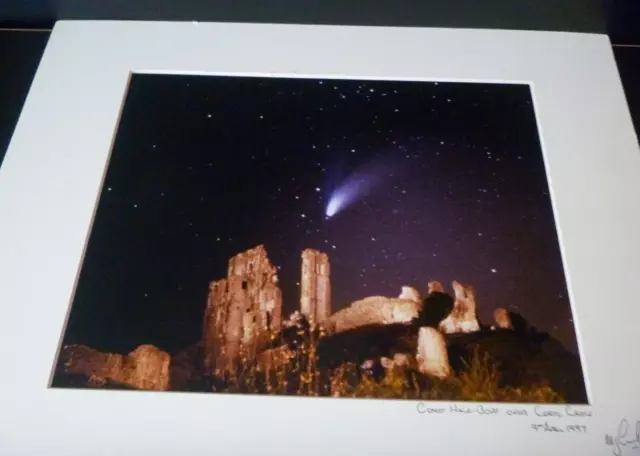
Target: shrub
[{"x": 478, "y": 381}]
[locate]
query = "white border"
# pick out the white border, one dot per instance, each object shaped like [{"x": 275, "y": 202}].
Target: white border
[{"x": 52, "y": 173}]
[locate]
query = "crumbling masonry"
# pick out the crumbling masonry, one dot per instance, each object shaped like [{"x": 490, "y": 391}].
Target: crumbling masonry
[
  {"x": 241, "y": 309},
  {"x": 246, "y": 306},
  {"x": 315, "y": 286}
]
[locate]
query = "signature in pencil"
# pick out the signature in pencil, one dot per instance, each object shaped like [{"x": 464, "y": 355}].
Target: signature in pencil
[{"x": 627, "y": 437}]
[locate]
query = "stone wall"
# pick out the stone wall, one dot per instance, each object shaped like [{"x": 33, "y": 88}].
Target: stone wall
[
  {"x": 315, "y": 286},
  {"x": 462, "y": 318},
  {"x": 241, "y": 309},
  {"x": 146, "y": 367},
  {"x": 502, "y": 319},
  {"x": 377, "y": 310},
  {"x": 432, "y": 354}
]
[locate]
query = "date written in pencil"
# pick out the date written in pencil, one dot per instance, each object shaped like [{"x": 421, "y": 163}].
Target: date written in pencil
[{"x": 569, "y": 428}]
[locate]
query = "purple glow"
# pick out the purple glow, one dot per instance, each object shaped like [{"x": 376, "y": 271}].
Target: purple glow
[{"x": 358, "y": 185}]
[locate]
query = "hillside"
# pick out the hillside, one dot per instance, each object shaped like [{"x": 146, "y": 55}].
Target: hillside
[{"x": 517, "y": 363}]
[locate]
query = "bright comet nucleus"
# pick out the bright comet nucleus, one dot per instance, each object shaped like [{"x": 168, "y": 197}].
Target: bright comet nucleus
[
  {"x": 359, "y": 184},
  {"x": 335, "y": 203}
]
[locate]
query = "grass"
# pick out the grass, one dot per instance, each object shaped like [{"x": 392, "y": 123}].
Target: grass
[{"x": 479, "y": 380}]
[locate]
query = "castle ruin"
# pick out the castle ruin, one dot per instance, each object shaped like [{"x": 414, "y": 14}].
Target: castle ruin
[
  {"x": 463, "y": 318},
  {"x": 241, "y": 309},
  {"x": 245, "y": 308},
  {"x": 315, "y": 286}
]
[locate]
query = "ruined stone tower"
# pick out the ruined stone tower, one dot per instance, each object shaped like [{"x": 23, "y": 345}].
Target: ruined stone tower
[
  {"x": 241, "y": 308},
  {"x": 315, "y": 286},
  {"x": 463, "y": 318}
]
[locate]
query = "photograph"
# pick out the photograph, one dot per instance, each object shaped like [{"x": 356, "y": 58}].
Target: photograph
[{"x": 325, "y": 237}]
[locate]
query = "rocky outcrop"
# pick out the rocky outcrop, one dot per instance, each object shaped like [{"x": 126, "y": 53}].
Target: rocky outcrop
[
  {"x": 241, "y": 309},
  {"x": 374, "y": 310},
  {"x": 146, "y": 367},
  {"x": 462, "y": 318},
  {"x": 431, "y": 356}
]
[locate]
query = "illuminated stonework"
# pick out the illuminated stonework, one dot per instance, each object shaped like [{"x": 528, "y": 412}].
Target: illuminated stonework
[
  {"x": 146, "y": 367},
  {"x": 462, "y": 318},
  {"x": 432, "y": 354},
  {"x": 241, "y": 309},
  {"x": 375, "y": 310},
  {"x": 315, "y": 286},
  {"x": 502, "y": 319}
]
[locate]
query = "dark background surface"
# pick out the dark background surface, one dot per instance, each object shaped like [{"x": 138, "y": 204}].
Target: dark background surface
[
  {"x": 20, "y": 50},
  {"x": 24, "y": 26},
  {"x": 20, "y": 54},
  {"x": 559, "y": 15}
]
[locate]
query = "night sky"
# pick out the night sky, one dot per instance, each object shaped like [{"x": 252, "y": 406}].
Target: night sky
[{"x": 204, "y": 168}]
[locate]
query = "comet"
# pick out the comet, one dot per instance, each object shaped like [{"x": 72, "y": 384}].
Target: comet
[
  {"x": 349, "y": 192},
  {"x": 358, "y": 185}
]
